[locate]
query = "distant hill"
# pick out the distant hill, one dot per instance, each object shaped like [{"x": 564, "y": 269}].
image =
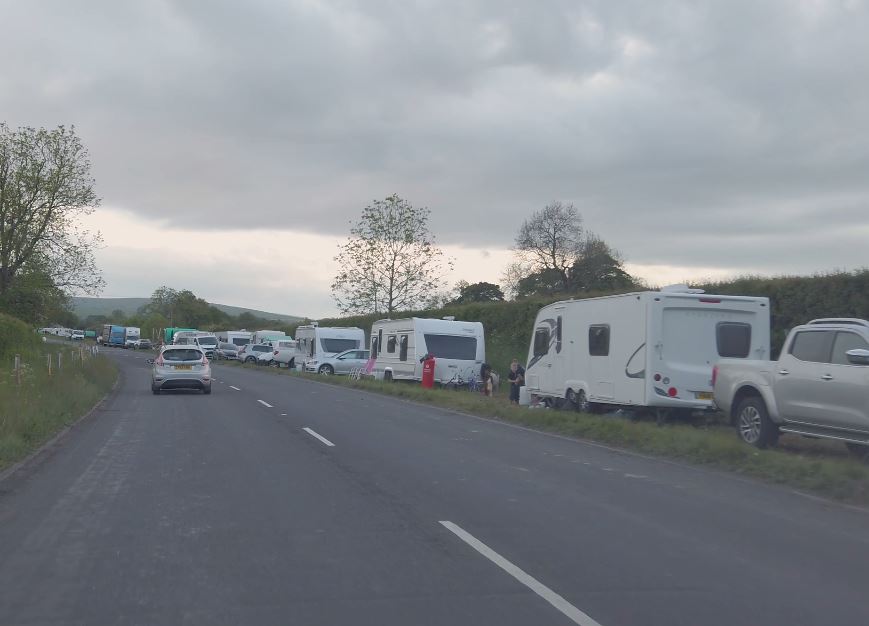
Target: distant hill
[{"x": 84, "y": 306}]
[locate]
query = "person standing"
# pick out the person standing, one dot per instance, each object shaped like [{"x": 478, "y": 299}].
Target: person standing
[{"x": 517, "y": 379}]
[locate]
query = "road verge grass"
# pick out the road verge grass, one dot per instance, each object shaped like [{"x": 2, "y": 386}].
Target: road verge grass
[
  {"x": 840, "y": 478},
  {"x": 43, "y": 404}
]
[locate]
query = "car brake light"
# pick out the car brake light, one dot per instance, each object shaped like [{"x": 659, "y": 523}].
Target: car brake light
[
  {"x": 672, "y": 391},
  {"x": 159, "y": 360},
  {"x": 204, "y": 360},
  {"x": 714, "y": 375},
  {"x": 276, "y": 353}
]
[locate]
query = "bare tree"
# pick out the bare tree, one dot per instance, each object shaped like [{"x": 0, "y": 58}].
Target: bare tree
[
  {"x": 390, "y": 262},
  {"x": 45, "y": 186},
  {"x": 556, "y": 254}
]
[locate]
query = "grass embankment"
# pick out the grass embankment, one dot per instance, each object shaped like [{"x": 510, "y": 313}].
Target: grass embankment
[
  {"x": 42, "y": 405},
  {"x": 821, "y": 467}
]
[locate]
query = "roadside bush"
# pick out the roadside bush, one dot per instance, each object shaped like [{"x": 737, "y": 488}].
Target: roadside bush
[{"x": 16, "y": 337}]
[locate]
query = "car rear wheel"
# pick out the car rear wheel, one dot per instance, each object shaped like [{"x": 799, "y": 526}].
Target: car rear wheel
[
  {"x": 207, "y": 390},
  {"x": 326, "y": 370},
  {"x": 753, "y": 424},
  {"x": 250, "y": 359},
  {"x": 155, "y": 390}
]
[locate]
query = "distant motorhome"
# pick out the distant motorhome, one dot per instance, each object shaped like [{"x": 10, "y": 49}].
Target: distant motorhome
[
  {"x": 235, "y": 337},
  {"x": 131, "y": 337},
  {"x": 645, "y": 349},
  {"x": 398, "y": 346},
  {"x": 268, "y": 336}
]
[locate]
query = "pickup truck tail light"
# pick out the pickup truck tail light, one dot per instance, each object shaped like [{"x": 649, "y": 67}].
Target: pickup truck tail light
[{"x": 714, "y": 375}]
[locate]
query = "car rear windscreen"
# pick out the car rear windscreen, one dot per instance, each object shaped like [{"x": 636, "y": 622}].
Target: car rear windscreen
[
  {"x": 338, "y": 345},
  {"x": 734, "y": 339},
  {"x": 182, "y": 355},
  {"x": 452, "y": 347}
]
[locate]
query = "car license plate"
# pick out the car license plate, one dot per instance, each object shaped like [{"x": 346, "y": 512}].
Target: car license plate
[
  {"x": 183, "y": 367},
  {"x": 704, "y": 395}
]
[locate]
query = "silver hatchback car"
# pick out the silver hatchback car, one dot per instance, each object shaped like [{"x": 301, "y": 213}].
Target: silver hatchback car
[{"x": 180, "y": 367}]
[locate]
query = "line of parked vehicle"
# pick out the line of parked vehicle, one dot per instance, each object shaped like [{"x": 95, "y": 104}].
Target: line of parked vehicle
[{"x": 670, "y": 352}]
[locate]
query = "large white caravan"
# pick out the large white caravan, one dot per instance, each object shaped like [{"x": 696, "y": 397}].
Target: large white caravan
[
  {"x": 647, "y": 349},
  {"x": 268, "y": 336},
  {"x": 398, "y": 346},
  {"x": 315, "y": 343},
  {"x": 235, "y": 337}
]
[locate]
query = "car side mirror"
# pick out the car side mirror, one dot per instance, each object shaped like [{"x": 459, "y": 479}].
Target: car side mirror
[
  {"x": 149, "y": 361},
  {"x": 858, "y": 356}
]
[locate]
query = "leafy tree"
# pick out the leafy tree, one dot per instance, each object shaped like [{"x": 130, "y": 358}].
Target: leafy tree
[
  {"x": 556, "y": 255},
  {"x": 390, "y": 262},
  {"x": 45, "y": 187},
  {"x": 118, "y": 316},
  {"x": 35, "y": 299},
  {"x": 478, "y": 292}
]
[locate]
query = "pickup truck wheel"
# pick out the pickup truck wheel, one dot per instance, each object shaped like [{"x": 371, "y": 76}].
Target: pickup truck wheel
[
  {"x": 753, "y": 424},
  {"x": 250, "y": 359},
  {"x": 326, "y": 370}
]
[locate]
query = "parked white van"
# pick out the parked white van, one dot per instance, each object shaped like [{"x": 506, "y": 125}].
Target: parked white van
[
  {"x": 315, "y": 343},
  {"x": 648, "y": 349},
  {"x": 398, "y": 346},
  {"x": 131, "y": 337}
]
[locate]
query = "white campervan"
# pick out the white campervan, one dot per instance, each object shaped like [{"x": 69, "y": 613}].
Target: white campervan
[
  {"x": 397, "y": 347},
  {"x": 315, "y": 343},
  {"x": 648, "y": 349},
  {"x": 131, "y": 337}
]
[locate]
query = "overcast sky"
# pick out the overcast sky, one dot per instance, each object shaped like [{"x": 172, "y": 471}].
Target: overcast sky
[{"x": 232, "y": 142}]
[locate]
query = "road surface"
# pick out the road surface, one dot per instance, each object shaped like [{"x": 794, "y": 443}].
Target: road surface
[{"x": 285, "y": 501}]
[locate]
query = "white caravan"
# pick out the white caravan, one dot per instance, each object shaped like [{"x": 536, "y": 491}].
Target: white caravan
[
  {"x": 268, "y": 336},
  {"x": 235, "y": 337},
  {"x": 131, "y": 337},
  {"x": 315, "y": 343},
  {"x": 398, "y": 346},
  {"x": 648, "y": 349}
]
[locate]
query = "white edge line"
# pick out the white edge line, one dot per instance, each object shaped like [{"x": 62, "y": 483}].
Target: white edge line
[
  {"x": 318, "y": 436},
  {"x": 234, "y": 387},
  {"x": 562, "y": 605},
  {"x": 265, "y": 404}
]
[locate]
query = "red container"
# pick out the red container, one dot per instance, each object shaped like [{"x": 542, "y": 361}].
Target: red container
[{"x": 428, "y": 372}]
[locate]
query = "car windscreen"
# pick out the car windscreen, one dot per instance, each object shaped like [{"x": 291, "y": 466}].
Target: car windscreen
[
  {"x": 185, "y": 354},
  {"x": 207, "y": 341},
  {"x": 240, "y": 341},
  {"x": 338, "y": 345},
  {"x": 451, "y": 347}
]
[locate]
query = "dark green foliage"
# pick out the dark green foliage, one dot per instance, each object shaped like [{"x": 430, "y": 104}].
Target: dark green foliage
[
  {"x": 16, "y": 337},
  {"x": 479, "y": 292}
]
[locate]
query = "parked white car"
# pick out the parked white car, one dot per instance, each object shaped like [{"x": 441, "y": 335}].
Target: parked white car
[
  {"x": 284, "y": 352},
  {"x": 343, "y": 363},
  {"x": 819, "y": 387},
  {"x": 257, "y": 353}
]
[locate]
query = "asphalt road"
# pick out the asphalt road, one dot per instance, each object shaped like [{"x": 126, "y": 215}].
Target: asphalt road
[{"x": 283, "y": 501}]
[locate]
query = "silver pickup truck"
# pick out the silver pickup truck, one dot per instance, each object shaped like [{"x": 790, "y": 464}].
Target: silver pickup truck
[{"x": 819, "y": 387}]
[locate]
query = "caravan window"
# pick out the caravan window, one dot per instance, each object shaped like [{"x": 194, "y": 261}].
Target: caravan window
[
  {"x": 558, "y": 334},
  {"x": 338, "y": 345},
  {"x": 402, "y": 351},
  {"x": 599, "y": 340},
  {"x": 734, "y": 339},
  {"x": 452, "y": 347},
  {"x": 240, "y": 341},
  {"x": 374, "y": 347},
  {"x": 390, "y": 344},
  {"x": 541, "y": 341}
]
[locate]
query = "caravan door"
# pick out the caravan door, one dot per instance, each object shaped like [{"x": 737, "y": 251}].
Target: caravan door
[{"x": 539, "y": 373}]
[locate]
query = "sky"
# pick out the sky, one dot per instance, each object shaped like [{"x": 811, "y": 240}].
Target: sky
[{"x": 233, "y": 143}]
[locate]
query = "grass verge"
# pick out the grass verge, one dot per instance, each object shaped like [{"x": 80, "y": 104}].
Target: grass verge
[
  {"x": 814, "y": 466},
  {"x": 33, "y": 412}
]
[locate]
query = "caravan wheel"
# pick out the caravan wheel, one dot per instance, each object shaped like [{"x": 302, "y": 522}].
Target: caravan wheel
[{"x": 579, "y": 401}]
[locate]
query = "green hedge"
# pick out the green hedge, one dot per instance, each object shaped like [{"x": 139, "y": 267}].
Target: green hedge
[{"x": 16, "y": 337}]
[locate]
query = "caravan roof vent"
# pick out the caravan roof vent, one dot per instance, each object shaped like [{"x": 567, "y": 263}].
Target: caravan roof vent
[
  {"x": 680, "y": 289},
  {"x": 449, "y": 318}
]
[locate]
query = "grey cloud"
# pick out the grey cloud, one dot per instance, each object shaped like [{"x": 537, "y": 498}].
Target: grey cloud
[{"x": 717, "y": 133}]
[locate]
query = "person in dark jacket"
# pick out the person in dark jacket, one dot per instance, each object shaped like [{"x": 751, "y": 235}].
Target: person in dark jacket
[{"x": 517, "y": 380}]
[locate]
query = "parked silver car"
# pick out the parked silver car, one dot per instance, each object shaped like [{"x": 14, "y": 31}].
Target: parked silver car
[
  {"x": 227, "y": 351},
  {"x": 180, "y": 367},
  {"x": 342, "y": 363}
]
